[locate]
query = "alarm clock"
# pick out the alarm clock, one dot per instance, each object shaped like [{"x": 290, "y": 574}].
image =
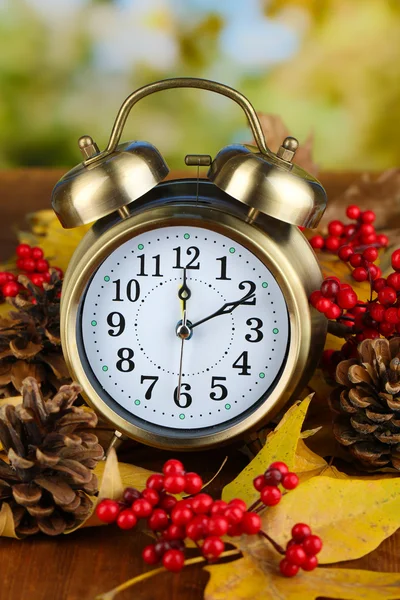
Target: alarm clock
[{"x": 184, "y": 311}]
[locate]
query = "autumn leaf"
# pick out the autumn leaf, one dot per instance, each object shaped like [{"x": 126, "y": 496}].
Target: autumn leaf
[
  {"x": 256, "y": 576},
  {"x": 281, "y": 444}
]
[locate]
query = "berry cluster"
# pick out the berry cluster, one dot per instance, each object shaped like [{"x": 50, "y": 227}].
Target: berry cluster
[
  {"x": 197, "y": 517},
  {"x": 30, "y": 262},
  {"x": 301, "y": 551}
]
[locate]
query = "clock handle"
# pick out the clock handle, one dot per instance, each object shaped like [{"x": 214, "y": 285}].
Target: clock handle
[{"x": 182, "y": 82}]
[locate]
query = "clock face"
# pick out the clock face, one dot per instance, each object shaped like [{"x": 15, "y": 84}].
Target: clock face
[{"x": 226, "y": 349}]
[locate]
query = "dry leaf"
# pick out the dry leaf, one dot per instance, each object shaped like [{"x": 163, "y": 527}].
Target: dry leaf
[
  {"x": 281, "y": 444},
  {"x": 352, "y": 515},
  {"x": 7, "y": 522},
  {"x": 257, "y": 577}
]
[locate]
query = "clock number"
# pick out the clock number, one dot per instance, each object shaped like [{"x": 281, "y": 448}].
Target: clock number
[
  {"x": 142, "y": 269},
  {"x": 256, "y": 329},
  {"x": 187, "y": 397},
  {"x": 224, "y": 391},
  {"x": 125, "y": 364},
  {"x": 117, "y": 321},
  {"x": 242, "y": 363},
  {"x": 192, "y": 250},
  {"x": 223, "y": 277},
  {"x": 252, "y": 289},
  {"x": 132, "y": 290},
  {"x": 151, "y": 386}
]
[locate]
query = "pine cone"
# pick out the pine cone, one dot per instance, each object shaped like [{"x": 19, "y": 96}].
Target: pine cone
[
  {"x": 51, "y": 456},
  {"x": 367, "y": 405},
  {"x": 30, "y": 339}
]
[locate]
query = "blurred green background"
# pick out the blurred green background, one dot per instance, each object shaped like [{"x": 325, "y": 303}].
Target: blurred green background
[{"x": 329, "y": 67}]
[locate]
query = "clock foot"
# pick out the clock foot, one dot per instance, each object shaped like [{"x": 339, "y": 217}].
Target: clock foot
[{"x": 117, "y": 440}]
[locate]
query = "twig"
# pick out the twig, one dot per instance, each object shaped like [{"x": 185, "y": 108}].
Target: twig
[
  {"x": 216, "y": 474},
  {"x": 277, "y": 547}
]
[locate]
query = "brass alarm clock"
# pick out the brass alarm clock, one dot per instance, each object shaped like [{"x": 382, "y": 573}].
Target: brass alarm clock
[{"x": 184, "y": 312}]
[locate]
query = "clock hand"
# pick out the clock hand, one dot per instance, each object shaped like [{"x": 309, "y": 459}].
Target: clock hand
[
  {"x": 225, "y": 309},
  {"x": 184, "y": 292},
  {"x": 183, "y": 332}
]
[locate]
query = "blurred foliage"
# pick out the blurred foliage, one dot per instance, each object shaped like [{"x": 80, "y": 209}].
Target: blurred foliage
[{"x": 66, "y": 66}]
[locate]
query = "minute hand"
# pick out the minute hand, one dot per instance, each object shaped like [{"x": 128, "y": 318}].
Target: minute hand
[{"x": 225, "y": 309}]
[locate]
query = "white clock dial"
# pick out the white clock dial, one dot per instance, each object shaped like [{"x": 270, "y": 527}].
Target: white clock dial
[{"x": 132, "y": 309}]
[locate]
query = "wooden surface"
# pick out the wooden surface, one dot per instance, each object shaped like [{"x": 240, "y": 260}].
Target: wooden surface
[{"x": 81, "y": 565}]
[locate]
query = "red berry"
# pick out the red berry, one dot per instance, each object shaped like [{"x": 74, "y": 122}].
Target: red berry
[
  {"x": 168, "y": 502},
  {"x": 46, "y": 277},
  {"x": 37, "y": 253},
  {"x": 218, "y": 525},
  {"x": 370, "y": 333},
  {"x": 251, "y": 523},
  {"x": 173, "y": 467},
  {"x": 174, "y": 484},
  {"x": 379, "y": 284},
  {"x": 177, "y": 545},
  {"x": 394, "y": 281},
  {"x": 382, "y": 240},
  {"x": 296, "y": 555},
  {"x": 212, "y": 547},
  {"x": 349, "y": 231},
  {"x": 173, "y": 560},
  {"x": 270, "y": 495},
  {"x": 356, "y": 259},
  {"x": 181, "y": 515},
  {"x": 175, "y": 532},
  {"x": 368, "y": 239},
  {"x": 332, "y": 243},
  {"x": 386, "y": 329},
  {"x": 373, "y": 271},
  {"x": 150, "y": 555},
  {"x": 10, "y": 289},
  {"x": 235, "y": 529},
  {"x": 202, "y": 503},
  {"x": 333, "y": 312},
  {"x": 330, "y": 288},
  {"x": 155, "y": 482},
  {"x": 239, "y": 503},
  {"x": 259, "y": 482},
  {"x": 193, "y": 483},
  {"x": 377, "y": 312},
  {"x": 345, "y": 252},
  {"x": 23, "y": 251},
  {"x": 151, "y": 495},
  {"x": 3, "y": 277},
  {"x": 310, "y": 563},
  {"x": 272, "y": 477},
  {"x": 37, "y": 279},
  {"x": 234, "y": 514},
  {"x": 130, "y": 495},
  {"x": 107, "y": 511},
  {"x": 367, "y": 229},
  {"x": 360, "y": 274},
  {"x": 300, "y": 531},
  {"x": 161, "y": 547},
  {"x": 323, "y": 304},
  {"x": 29, "y": 265},
  {"x": 142, "y": 508},
  {"x": 317, "y": 242},
  {"x": 387, "y": 296},
  {"x": 370, "y": 254},
  {"x": 290, "y": 481},
  {"x": 391, "y": 315},
  {"x": 218, "y": 507},
  {"x": 281, "y": 466},
  {"x": 312, "y": 545},
  {"x": 353, "y": 211},
  {"x": 368, "y": 216},
  {"x": 126, "y": 519},
  {"x": 396, "y": 260},
  {"x": 197, "y": 528},
  {"x": 288, "y": 569},
  {"x": 42, "y": 265},
  {"x": 347, "y": 298},
  {"x": 314, "y": 297},
  {"x": 336, "y": 228},
  {"x": 159, "y": 520}
]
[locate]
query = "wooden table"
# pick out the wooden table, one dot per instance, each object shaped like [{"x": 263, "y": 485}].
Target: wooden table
[{"x": 91, "y": 561}]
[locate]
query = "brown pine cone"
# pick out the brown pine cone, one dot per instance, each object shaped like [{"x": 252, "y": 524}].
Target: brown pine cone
[
  {"x": 367, "y": 406},
  {"x": 51, "y": 456},
  {"x": 30, "y": 339}
]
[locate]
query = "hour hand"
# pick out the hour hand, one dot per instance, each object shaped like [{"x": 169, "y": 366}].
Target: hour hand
[
  {"x": 227, "y": 308},
  {"x": 184, "y": 292}
]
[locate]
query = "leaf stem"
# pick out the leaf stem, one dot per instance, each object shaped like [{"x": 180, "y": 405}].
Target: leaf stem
[
  {"x": 254, "y": 505},
  {"x": 143, "y": 576},
  {"x": 277, "y": 547}
]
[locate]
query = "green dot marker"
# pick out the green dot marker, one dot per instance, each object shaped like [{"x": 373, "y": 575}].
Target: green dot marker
[
  {"x": 105, "y": 368},
  {"x": 181, "y": 416},
  {"x": 261, "y": 375},
  {"x": 232, "y": 250},
  {"x": 264, "y": 284},
  {"x": 140, "y": 246},
  {"x": 186, "y": 236},
  {"x": 275, "y": 330},
  {"x": 106, "y": 278},
  {"x": 137, "y": 402},
  {"x": 94, "y": 323},
  {"x": 227, "y": 406}
]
